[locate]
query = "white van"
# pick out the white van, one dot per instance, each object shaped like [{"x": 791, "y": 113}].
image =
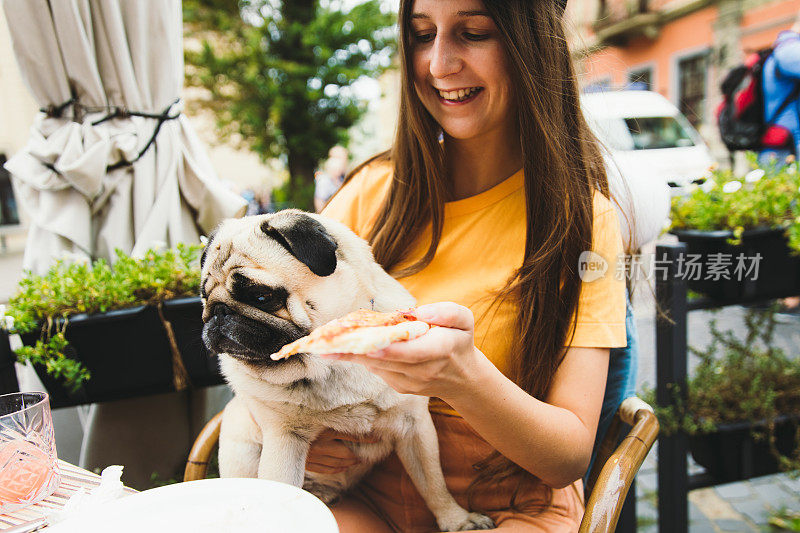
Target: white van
[{"x": 648, "y": 137}]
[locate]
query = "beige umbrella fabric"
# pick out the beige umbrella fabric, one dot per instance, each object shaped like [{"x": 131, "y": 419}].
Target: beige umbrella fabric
[
  {"x": 112, "y": 163},
  {"x": 108, "y": 74}
]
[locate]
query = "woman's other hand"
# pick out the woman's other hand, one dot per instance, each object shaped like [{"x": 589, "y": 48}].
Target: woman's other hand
[
  {"x": 330, "y": 455},
  {"x": 443, "y": 362}
]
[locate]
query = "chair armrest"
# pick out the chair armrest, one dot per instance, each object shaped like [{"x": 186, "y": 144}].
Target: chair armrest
[
  {"x": 631, "y": 406},
  {"x": 197, "y": 464},
  {"x": 617, "y": 474}
]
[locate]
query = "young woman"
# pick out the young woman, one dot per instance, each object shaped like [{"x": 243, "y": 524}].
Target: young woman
[{"x": 485, "y": 209}]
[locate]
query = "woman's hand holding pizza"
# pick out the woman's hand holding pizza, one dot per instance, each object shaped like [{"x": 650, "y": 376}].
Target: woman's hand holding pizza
[{"x": 443, "y": 362}]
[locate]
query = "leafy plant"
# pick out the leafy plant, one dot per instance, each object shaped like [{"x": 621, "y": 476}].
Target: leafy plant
[
  {"x": 738, "y": 380},
  {"x": 49, "y": 352},
  {"x": 785, "y": 520},
  {"x": 764, "y": 197},
  {"x": 47, "y": 301}
]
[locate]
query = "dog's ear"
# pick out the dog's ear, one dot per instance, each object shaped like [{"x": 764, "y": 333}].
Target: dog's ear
[
  {"x": 207, "y": 247},
  {"x": 304, "y": 238}
]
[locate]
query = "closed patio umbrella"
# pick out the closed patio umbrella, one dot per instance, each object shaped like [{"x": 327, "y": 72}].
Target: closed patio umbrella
[{"x": 112, "y": 163}]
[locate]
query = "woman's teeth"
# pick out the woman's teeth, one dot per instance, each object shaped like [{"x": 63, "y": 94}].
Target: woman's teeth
[{"x": 459, "y": 95}]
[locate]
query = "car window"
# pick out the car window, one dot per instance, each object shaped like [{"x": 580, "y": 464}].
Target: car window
[
  {"x": 643, "y": 133},
  {"x": 650, "y": 133},
  {"x": 613, "y": 133}
]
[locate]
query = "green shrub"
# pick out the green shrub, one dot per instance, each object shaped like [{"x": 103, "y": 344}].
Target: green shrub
[
  {"x": 784, "y": 520},
  {"x": 728, "y": 202},
  {"x": 735, "y": 381},
  {"x": 47, "y": 301}
]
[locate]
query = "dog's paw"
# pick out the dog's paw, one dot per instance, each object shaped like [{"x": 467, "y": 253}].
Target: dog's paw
[{"x": 471, "y": 522}]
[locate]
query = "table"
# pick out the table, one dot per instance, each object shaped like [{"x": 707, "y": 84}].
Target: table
[
  {"x": 234, "y": 504},
  {"x": 73, "y": 478}
]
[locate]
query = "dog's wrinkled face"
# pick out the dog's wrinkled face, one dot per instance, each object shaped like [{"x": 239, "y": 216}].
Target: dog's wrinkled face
[{"x": 270, "y": 279}]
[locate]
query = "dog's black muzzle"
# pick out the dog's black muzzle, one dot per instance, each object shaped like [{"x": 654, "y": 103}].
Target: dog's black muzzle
[{"x": 226, "y": 331}]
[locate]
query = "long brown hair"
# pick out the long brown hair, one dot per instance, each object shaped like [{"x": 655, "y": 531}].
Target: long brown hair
[{"x": 562, "y": 168}]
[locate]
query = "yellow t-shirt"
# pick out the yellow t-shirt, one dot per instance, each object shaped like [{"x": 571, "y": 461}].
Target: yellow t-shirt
[{"x": 482, "y": 244}]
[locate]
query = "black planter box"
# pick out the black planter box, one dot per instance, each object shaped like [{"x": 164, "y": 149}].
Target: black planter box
[
  {"x": 8, "y": 373},
  {"x": 732, "y": 453},
  {"x": 185, "y": 315},
  {"x": 778, "y": 270},
  {"x": 128, "y": 354}
]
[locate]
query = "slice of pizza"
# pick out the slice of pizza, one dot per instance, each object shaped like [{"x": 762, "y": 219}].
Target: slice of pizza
[{"x": 359, "y": 332}]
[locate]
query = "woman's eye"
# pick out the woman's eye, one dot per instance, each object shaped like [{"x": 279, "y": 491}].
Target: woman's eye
[
  {"x": 476, "y": 36},
  {"x": 424, "y": 37}
]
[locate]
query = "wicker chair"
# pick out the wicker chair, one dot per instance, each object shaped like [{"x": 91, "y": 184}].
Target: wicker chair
[
  {"x": 617, "y": 465},
  {"x": 609, "y": 481}
]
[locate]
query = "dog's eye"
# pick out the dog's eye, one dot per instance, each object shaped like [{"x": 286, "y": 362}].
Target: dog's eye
[
  {"x": 269, "y": 301},
  {"x": 263, "y": 297}
]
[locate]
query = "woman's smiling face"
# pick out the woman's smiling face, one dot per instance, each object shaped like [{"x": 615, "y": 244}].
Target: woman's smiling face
[{"x": 460, "y": 67}]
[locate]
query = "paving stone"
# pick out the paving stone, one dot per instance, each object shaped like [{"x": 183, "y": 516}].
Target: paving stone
[
  {"x": 647, "y": 482},
  {"x": 734, "y": 490},
  {"x": 696, "y": 469},
  {"x": 733, "y": 525},
  {"x": 763, "y": 480},
  {"x": 792, "y": 483},
  {"x": 648, "y": 468},
  {"x": 755, "y": 510},
  {"x": 696, "y": 514},
  {"x": 646, "y": 510},
  {"x": 692, "y": 467},
  {"x": 702, "y": 526},
  {"x": 777, "y": 495}
]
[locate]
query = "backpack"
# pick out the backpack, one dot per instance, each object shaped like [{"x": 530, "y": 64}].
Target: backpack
[{"x": 740, "y": 116}]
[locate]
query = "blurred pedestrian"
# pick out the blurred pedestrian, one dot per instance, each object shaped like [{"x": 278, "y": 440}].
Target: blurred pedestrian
[
  {"x": 781, "y": 92},
  {"x": 781, "y": 79},
  {"x": 252, "y": 203},
  {"x": 328, "y": 180},
  {"x": 265, "y": 204}
]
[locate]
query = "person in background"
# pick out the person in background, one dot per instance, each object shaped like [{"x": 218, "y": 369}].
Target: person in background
[
  {"x": 780, "y": 77},
  {"x": 252, "y": 203},
  {"x": 265, "y": 204},
  {"x": 328, "y": 180},
  {"x": 782, "y": 139}
]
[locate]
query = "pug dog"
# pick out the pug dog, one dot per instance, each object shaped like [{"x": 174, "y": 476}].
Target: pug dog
[{"x": 268, "y": 280}]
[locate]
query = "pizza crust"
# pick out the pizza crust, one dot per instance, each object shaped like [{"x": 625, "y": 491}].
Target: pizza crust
[{"x": 361, "y": 340}]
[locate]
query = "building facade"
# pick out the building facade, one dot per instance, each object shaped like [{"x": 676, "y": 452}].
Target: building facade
[{"x": 679, "y": 48}]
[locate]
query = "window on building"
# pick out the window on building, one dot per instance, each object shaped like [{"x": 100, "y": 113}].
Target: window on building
[
  {"x": 641, "y": 79},
  {"x": 692, "y": 87}
]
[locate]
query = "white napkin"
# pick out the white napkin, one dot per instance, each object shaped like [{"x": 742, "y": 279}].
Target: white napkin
[{"x": 110, "y": 488}]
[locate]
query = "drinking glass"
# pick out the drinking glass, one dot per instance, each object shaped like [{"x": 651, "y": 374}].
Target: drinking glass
[{"x": 28, "y": 462}]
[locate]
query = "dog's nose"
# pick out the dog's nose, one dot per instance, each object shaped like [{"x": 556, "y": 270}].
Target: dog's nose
[{"x": 221, "y": 310}]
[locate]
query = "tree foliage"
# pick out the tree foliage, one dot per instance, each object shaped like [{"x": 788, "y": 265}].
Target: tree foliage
[{"x": 280, "y": 74}]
